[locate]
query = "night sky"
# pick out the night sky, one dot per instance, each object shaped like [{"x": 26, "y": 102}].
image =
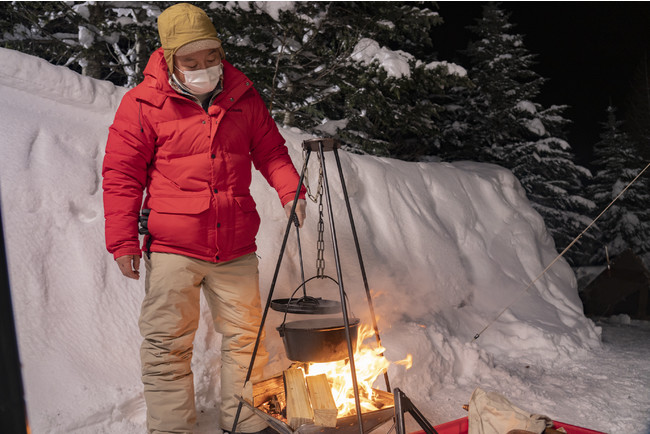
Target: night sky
[{"x": 587, "y": 51}]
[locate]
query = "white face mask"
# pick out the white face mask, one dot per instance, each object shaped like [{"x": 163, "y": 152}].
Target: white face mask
[{"x": 202, "y": 80}]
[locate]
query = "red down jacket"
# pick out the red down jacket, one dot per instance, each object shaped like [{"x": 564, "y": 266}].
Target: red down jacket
[{"x": 195, "y": 167}]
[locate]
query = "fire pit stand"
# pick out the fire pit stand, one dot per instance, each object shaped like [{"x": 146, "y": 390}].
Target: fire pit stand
[
  {"x": 348, "y": 424},
  {"x": 344, "y": 425}
]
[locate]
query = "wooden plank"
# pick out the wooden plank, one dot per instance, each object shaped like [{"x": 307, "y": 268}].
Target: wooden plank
[
  {"x": 299, "y": 411},
  {"x": 322, "y": 401}
]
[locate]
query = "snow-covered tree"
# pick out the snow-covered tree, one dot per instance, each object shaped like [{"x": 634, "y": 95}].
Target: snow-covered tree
[
  {"x": 501, "y": 69},
  {"x": 554, "y": 183},
  {"x": 301, "y": 56},
  {"x": 626, "y": 225},
  {"x": 104, "y": 40},
  {"x": 507, "y": 127},
  {"x": 395, "y": 109},
  {"x": 41, "y": 29},
  {"x": 358, "y": 71},
  {"x": 556, "y": 191},
  {"x": 456, "y": 123}
]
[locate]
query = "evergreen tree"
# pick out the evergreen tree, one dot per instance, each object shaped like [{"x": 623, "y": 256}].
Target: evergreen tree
[
  {"x": 41, "y": 29},
  {"x": 626, "y": 225},
  {"x": 506, "y": 127},
  {"x": 300, "y": 55},
  {"x": 393, "y": 98},
  {"x": 398, "y": 116},
  {"x": 501, "y": 69},
  {"x": 104, "y": 40},
  {"x": 544, "y": 164},
  {"x": 306, "y": 62},
  {"x": 638, "y": 108},
  {"x": 457, "y": 122}
]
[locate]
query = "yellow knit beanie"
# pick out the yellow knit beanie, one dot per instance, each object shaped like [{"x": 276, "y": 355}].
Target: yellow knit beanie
[{"x": 184, "y": 29}]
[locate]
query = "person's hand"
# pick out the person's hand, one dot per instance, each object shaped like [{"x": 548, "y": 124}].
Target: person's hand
[
  {"x": 129, "y": 266},
  {"x": 300, "y": 210}
]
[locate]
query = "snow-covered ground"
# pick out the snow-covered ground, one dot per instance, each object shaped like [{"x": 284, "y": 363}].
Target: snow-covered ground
[{"x": 446, "y": 248}]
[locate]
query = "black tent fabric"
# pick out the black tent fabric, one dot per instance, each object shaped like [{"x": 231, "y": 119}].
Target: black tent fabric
[{"x": 622, "y": 288}]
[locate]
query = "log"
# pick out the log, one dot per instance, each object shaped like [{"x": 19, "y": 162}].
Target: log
[
  {"x": 322, "y": 401},
  {"x": 264, "y": 390},
  {"x": 299, "y": 411}
]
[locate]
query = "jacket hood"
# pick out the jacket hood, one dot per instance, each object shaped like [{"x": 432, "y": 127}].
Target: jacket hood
[{"x": 156, "y": 76}]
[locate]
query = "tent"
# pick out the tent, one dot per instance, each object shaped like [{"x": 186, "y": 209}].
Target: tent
[{"x": 622, "y": 288}]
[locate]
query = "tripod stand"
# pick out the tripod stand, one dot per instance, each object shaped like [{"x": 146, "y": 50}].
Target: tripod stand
[{"x": 321, "y": 146}]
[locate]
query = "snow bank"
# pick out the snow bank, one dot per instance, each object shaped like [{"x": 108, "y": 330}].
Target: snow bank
[{"x": 446, "y": 248}]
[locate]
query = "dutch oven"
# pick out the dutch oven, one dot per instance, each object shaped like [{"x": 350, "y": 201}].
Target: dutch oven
[{"x": 318, "y": 340}]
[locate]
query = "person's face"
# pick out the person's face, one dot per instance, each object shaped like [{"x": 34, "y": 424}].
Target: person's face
[{"x": 194, "y": 61}]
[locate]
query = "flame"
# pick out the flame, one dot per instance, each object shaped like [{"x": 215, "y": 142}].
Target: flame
[
  {"x": 407, "y": 362},
  {"x": 369, "y": 364}
]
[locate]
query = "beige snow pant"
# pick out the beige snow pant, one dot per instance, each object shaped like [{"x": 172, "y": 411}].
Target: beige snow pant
[{"x": 168, "y": 322}]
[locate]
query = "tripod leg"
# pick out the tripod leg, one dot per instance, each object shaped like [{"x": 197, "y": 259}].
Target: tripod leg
[
  {"x": 337, "y": 260},
  {"x": 404, "y": 404},
  {"x": 361, "y": 266}
]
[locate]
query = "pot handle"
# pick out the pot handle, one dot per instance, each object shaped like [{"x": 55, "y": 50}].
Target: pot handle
[{"x": 302, "y": 285}]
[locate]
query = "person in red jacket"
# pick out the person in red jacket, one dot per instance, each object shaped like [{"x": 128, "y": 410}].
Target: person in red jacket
[{"x": 187, "y": 135}]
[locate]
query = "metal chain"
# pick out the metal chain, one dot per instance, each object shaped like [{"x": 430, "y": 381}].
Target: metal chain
[
  {"x": 317, "y": 198},
  {"x": 319, "y": 189},
  {"x": 320, "y": 244}
]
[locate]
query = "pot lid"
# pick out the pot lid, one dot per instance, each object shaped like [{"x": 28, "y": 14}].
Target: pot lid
[{"x": 306, "y": 305}]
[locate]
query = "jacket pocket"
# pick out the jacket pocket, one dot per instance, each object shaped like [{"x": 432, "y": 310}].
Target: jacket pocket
[
  {"x": 246, "y": 203},
  {"x": 246, "y": 224},
  {"x": 180, "y": 222}
]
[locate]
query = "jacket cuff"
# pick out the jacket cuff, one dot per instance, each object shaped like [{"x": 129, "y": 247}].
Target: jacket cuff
[
  {"x": 127, "y": 251},
  {"x": 289, "y": 197}
]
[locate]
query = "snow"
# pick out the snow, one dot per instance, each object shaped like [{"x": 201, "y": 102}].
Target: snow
[
  {"x": 86, "y": 37},
  {"x": 527, "y": 106},
  {"x": 536, "y": 126},
  {"x": 331, "y": 127},
  {"x": 446, "y": 247},
  {"x": 452, "y": 68},
  {"x": 273, "y": 8},
  {"x": 395, "y": 63}
]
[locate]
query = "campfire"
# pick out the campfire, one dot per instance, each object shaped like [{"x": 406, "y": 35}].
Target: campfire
[
  {"x": 329, "y": 384},
  {"x": 322, "y": 394},
  {"x": 369, "y": 363}
]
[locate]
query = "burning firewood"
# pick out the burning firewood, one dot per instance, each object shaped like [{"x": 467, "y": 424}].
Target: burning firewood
[
  {"x": 299, "y": 410},
  {"x": 266, "y": 390},
  {"x": 274, "y": 396},
  {"x": 322, "y": 401}
]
